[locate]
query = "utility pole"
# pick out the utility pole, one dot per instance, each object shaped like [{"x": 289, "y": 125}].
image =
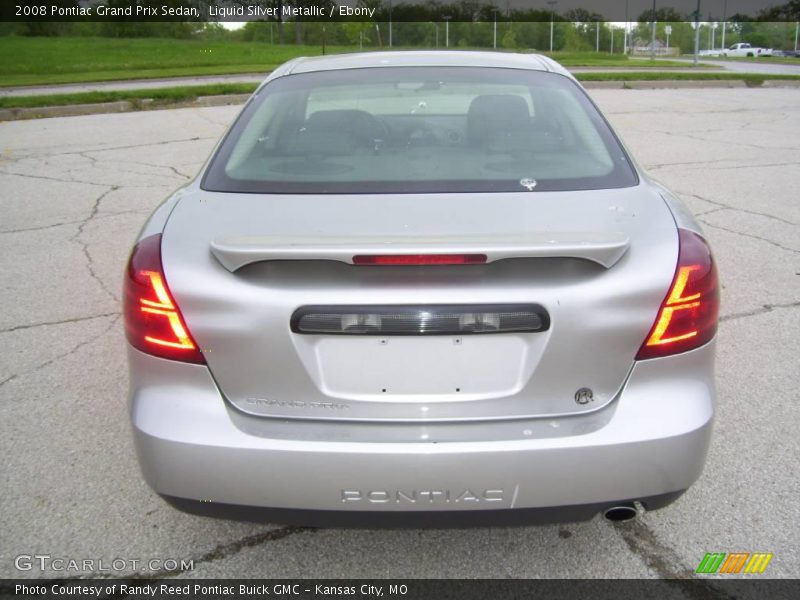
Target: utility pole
[
  {"x": 552, "y": 4},
  {"x": 653, "y": 37},
  {"x": 696, "y": 32},
  {"x": 710, "y": 32},
  {"x": 796, "y": 30},
  {"x": 597, "y": 49},
  {"x": 724, "y": 22},
  {"x": 494, "y": 43},
  {"x": 625, "y": 39}
]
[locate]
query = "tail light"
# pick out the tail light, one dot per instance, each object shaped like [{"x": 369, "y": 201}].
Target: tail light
[
  {"x": 688, "y": 315},
  {"x": 153, "y": 322}
]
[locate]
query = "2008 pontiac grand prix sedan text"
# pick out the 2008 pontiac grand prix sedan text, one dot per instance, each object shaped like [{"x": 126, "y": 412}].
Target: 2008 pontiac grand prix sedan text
[{"x": 421, "y": 287}]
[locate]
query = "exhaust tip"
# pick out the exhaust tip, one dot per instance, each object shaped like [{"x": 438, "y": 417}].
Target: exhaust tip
[{"x": 621, "y": 512}]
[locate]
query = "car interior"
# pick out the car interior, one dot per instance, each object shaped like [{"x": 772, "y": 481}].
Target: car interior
[{"x": 430, "y": 133}]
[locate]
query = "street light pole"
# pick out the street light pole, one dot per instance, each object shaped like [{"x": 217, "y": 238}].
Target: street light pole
[
  {"x": 696, "y": 32},
  {"x": 710, "y": 32},
  {"x": 796, "y": 30},
  {"x": 625, "y": 39},
  {"x": 724, "y": 22},
  {"x": 653, "y": 37},
  {"x": 447, "y": 31},
  {"x": 390, "y": 23},
  {"x": 494, "y": 33},
  {"x": 597, "y": 49},
  {"x": 552, "y": 4}
]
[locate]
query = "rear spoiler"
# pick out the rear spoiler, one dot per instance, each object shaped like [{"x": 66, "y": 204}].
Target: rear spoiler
[{"x": 234, "y": 252}]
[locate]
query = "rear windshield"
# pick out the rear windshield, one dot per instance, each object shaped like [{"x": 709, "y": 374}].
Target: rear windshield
[{"x": 423, "y": 129}]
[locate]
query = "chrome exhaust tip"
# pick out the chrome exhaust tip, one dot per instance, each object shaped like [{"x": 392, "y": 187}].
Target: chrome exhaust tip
[{"x": 621, "y": 512}]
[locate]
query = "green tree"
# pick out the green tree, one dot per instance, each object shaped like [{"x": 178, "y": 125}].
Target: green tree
[{"x": 509, "y": 40}]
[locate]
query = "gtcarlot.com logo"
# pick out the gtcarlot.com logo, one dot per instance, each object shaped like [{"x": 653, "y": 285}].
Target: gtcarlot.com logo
[
  {"x": 734, "y": 562},
  {"x": 46, "y": 562}
]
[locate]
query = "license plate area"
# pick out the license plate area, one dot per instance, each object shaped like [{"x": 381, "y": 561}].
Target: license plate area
[{"x": 413, "y": 368}]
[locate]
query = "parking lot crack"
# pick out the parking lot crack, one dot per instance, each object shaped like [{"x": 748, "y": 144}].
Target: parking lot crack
[
  {"x": 40, "y": 228},
  {"x": 178, "y": 173},
  {"x": 60, "y": 322},
  {"x": 170, "y": 167},
  {"x": 132, "y": 146},
  {"x": 759, "y": 311},
  {"x": 684, "y": 164},
  {"x": 49, "y": 178},
  {"x": 757, "y": 165},
  {"x": 748, "y": 211},
  {"x": 85, "y": 246},
  {"x": 739, "y": 143},
  {"x": 72, "y": 350},
  {"x": 750, "y": 235},
  {"x": 708, "y": 212}
]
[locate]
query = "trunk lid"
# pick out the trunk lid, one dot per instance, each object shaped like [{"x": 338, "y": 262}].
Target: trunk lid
[{"x": 598, "y": 262}]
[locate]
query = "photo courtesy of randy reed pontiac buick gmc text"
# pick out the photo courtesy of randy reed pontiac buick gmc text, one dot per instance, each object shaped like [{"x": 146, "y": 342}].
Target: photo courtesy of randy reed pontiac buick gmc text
[{"x": 249, "y": 590}]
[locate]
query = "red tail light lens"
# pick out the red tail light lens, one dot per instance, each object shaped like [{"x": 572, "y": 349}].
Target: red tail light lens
[
  {"x": 153, "y": 322},
  {"x": 688, "y": 315},
  {"x": 419, "y": 259}
]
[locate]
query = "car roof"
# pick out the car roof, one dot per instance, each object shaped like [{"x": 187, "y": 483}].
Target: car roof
[{"x": 420, "y": 58}]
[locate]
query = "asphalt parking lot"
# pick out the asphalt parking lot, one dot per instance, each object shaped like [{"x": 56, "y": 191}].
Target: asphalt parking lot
[{"x": 75, "y": 191}]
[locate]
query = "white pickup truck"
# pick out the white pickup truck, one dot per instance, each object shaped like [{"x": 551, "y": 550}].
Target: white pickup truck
[{"x": 745, "y": 49}]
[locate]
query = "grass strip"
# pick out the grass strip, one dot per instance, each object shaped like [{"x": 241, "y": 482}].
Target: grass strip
[
  {"x": 44, "y": 60},
  {"x": 748, "y": 78},
  {"x": 160, "y": 96},
  {"x": 134, "y": 74},
  {"x": 178, "y": 94}
]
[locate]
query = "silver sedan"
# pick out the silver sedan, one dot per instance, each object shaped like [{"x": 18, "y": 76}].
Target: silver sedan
[{"x": 421, "y": 287}]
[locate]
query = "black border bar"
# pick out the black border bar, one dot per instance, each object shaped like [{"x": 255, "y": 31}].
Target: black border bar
[
  {"x": 169, "y": 588},
  {"x": 520, "y": 11}
]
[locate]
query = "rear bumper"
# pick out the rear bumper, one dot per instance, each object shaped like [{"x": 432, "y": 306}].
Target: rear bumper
[
  {"x": 424, "y": 519},
  {"x": 205, "y": 457}
]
